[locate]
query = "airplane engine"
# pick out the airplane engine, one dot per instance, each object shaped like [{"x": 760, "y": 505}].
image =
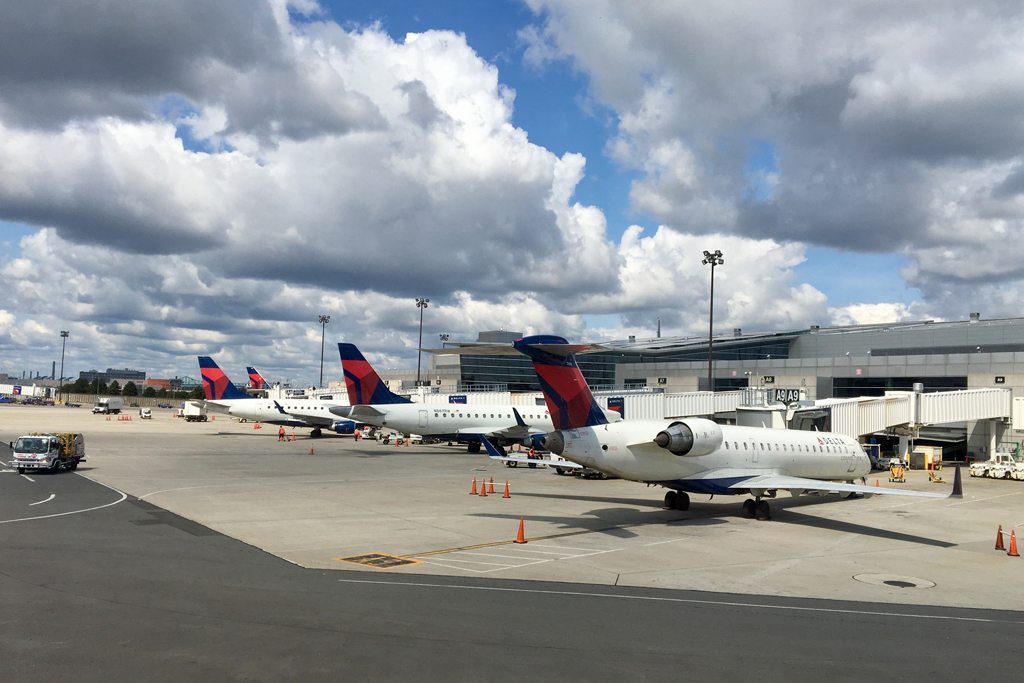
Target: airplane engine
[
  {"x": 344, "y": 427},
  {"x": 554, "y": 442},
  {"x": 695, "y": 436}
]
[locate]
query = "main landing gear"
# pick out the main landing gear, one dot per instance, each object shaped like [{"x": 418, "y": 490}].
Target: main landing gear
[
  {"x": 677, "y": 500},
  {"x": 316, "y": 433},
  {"x": 756, "y": 509},
  {"x": 473, "y": 447}
]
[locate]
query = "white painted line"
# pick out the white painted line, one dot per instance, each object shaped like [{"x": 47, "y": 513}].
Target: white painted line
[
  {"x": 73, "y": 512},
  {"x": 465, "y": 569},
  {"x": 979, "y": 500},
  {"x": 29, "y": 478},
  {"x": 507, "y": 557},
  {"x": 674, "y": 540},
  {"x": 493, "y": 564},
  {"x": 560, "y": 547},
  {"x": 546, "y": 552},
  {"x": 689, "y": 601},
  {"x": 52, "y": 496}
]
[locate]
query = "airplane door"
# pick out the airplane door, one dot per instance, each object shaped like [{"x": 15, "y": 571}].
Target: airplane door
[{"x": 423, "y": 418}]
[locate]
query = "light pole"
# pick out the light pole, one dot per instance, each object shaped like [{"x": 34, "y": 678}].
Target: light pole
[
  {"x": 712, "y": 259},
  {"x": 60, "y": 382},
  {"x": 324, "y": 319},
  {"x": 421, "y": 303}
]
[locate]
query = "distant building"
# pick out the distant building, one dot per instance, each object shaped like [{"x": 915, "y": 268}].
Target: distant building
[{"x": 111, "y": 374}]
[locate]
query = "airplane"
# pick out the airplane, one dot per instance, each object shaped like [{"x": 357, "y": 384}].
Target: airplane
[
  {"x": 693, "y": 455},
  {"x": 223, "y": 396},
  {"x": 373, "y": 403},
  {"x": 256, "y": 380}
]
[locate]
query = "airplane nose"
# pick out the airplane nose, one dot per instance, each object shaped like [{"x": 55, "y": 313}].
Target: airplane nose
[{"x": 554, "y": 442}]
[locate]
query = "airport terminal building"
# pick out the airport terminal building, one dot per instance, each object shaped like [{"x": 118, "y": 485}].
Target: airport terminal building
[
  {"x": 820, "y": 363},
  {"x": 824, "y": 362}
]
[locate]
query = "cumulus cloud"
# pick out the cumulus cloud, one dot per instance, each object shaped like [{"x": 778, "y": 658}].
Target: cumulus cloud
[
  {"x": 208, "y": 177},
  {"x": 891, "y": 126}
]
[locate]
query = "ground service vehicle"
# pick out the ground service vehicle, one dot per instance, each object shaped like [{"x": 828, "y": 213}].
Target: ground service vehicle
[
  {"x": 192, "y": 412},
  {"x": 145, "y": 414},
  {"x": 52, "y": 452},
  {"x": 109, "y": 405},
  {"x": 1000, "y": 466}
]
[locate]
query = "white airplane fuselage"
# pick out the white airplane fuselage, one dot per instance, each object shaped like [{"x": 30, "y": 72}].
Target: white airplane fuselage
[
  {"x": 627, "y": 450},
  {"x": 451, "y": 418},
  {"x": 312, "y": 413}
]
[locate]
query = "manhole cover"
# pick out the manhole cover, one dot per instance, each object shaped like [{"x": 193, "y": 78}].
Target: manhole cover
[
  {"x": 378, "y": 560},
  {"x": 894, "y": 581}
]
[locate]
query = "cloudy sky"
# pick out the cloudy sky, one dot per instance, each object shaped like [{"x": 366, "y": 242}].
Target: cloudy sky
[{"x": 207, "y": 176}]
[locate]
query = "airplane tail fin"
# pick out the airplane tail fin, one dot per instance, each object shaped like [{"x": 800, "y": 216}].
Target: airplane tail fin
[
  {"x": 256, "y": 380},
  {"x": 569, "y": 400},
  {"x": 216, "y": 384},
  {"x": 365, "y": 387}
]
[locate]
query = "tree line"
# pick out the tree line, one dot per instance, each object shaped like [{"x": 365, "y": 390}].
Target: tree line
[{"x": 82, "y": 386}]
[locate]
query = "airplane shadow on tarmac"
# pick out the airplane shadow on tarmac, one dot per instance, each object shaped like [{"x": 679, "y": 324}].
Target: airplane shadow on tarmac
[{"x": 615, "y": 521}]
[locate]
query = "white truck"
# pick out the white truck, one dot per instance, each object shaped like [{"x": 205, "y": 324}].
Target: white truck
[
  {"x": 108, "y": 405},
  {"x": 192, "y": 412},
  {"x": 50, "y": 452}
]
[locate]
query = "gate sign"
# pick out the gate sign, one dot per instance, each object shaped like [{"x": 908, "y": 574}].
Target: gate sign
[
  {"x": 457, "y": 398},
  {"x": 786, "y": 396},
  {"x": 769, "y": 379},
  {"x": 17, "y": 390},
  {"x": 618, "y": 404}
]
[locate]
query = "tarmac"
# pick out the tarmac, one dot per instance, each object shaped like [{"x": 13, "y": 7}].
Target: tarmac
[{"x": 331, "y": 503}]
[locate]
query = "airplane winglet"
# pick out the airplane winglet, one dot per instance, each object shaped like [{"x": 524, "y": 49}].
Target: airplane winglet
[
  {"x": 958, "y": 486},
  {"x": 519, "y": 418},
  {"x": 489, "y": 447}
]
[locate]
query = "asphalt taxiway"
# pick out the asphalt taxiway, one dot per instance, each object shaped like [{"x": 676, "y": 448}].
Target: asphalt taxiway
[{"x": 157, "y": 580}]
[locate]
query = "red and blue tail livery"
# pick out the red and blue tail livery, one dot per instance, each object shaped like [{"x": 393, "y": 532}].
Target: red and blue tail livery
[
  {"x": 256, "y": 380},
  {"x": 216, "y": 385},
  {"x": 569, "y": 400},
  {"x": 365, "y": 387}
]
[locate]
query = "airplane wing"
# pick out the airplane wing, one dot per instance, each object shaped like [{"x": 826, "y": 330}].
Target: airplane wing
[
  {"x": 494, "y": 454},
  {"x": 357, "y": 413},
  {"x": 800, "y": 485}
]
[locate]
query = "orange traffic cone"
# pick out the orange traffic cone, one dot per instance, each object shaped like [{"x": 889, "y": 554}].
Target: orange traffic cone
[
  {"x": 255, "y": 425},
  {"x": 999, "y": 538},
  {"x": 483, "y": 487},
  {"x": 311, "y": 451},
  {"x": 521, "y": 536},
  {"x": 407, "y": 441},
  {"x": 472, "y": 491},
  {"x": 1012, "y": 552},
  {"x": 506, "y": 490},
  {"x": 876, "y": 483},
  {"x": 490, "y": 486}
]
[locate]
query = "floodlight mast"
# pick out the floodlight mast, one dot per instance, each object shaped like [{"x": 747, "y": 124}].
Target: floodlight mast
[
  {"x": 712, "y": 259},
  {"x": 421, "y": 303},
  {"x": 324, "y": 319}
]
